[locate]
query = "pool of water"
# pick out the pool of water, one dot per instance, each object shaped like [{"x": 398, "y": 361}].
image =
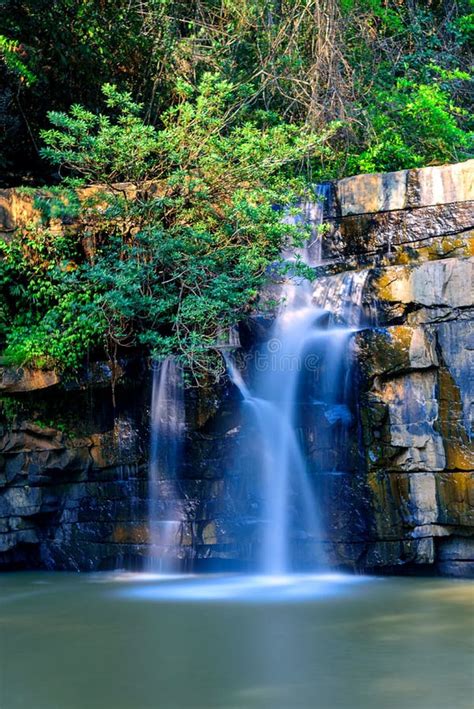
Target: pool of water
[{"x": 131, "y": 641}]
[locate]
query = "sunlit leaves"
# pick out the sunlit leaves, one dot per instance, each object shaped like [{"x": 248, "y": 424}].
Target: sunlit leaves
[{"x": 178, "y": 260}]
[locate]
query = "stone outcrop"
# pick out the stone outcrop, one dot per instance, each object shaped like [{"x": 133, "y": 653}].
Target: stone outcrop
[
  {"x": 14, "y": 380},
  {"x": 29, "y": 207},
  {"x": 19, "y": 380},
  {"x": 406, "y": 189},
  {"x": 73, "y": 461},
  {"x": 64, "y": 480},
  {"x": 417, "y": 403}
]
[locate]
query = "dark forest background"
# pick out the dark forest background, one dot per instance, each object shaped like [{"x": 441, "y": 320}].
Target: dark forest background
[{"x": 395, "y": 73}]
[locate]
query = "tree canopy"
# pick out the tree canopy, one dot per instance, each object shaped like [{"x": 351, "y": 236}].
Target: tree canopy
[
  {"x": 396, "y": 72},
  {"x": 213, "y": 112}
]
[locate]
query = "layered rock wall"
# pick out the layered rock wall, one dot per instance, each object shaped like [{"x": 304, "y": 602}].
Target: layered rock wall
[
  {"x": 73, "y": 458},
  {"x": 417, "y": 399}
]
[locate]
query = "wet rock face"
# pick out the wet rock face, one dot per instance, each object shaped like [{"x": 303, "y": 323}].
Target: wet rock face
[
  {"x": 74, "y": 488},
  {"x": 67, "y": 462},
  {"x": 399, "y": 490},
  {"x": 417, "y": 400},
  {"x": 428, "y": 212}
]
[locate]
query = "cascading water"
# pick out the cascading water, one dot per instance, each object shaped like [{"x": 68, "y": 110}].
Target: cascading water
[
  {"x": 166, "y": 441},
  {"x": 303, "y": 364}
]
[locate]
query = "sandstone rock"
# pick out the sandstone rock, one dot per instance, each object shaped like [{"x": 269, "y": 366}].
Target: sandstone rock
[
  {"x": 422, "y": 351},
  {"x": 137, "y": 534},
  {"x": 219, "y": 531},
  {"x": 435, "y": 232},
  {"x": 396, "y": 553},
  {"x": 8, "y": 541},
  {"x": 434, "y": 315},
  {"x": 423, "y": 498},
  {"x": 442, "y": 184},
  {"x": 413, "y": 411},
  {"x": 12, "y": 539},
  {"x": 67, "y": 460},
  {"x": 458, "y": 569},
  {"x": 19, "y": 208},
  {"x": 15, "y": 466},
  {"x": 456, "y": 343},
  {"x": 431, "y": 530},
  {"x": 406, "y": 189},
  {"x": 421, "y": 504},
  {"x": 116, "y": 447},
  {"x": 6, "y": 221},
  {"x": 389, "y": 505},
  {"x": 20, "y": 501},
  {"x": 416, "y": 504},
  {"x": 396, "y": 349},
  {"x": 457, "y": 549},
  {"x": 452, "y": 424},
  {"x": 16, "y": 208},
  {"x": 372, "y": 193},
  {"x": 456, "y": 557},
  {"x": 455, "y": 493},
  {"x": 209, "y": 533},
  {"x": 437, "y": 283},
  {"x": 13, "y": 381}
]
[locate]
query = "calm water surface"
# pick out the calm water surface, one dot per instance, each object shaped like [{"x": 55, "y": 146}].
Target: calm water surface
[{"x": 138, "y": 642}]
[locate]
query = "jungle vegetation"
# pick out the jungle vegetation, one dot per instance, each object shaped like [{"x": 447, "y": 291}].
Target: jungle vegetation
[{"x": 193, "y": 120}]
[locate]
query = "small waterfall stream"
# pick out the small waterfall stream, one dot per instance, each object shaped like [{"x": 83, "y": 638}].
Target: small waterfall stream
[
  {"x": 303, "y": 364},
  {"x": 166, "y": 442},
  {"x": 295, "y": 405}
]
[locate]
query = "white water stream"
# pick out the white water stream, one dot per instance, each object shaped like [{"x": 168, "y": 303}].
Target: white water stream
[
  {"x": 166, "y": 441},
  {"x": 308, "y": 343}
]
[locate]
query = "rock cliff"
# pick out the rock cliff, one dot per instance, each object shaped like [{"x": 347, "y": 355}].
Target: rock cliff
[{"x": 73, "y": 459}]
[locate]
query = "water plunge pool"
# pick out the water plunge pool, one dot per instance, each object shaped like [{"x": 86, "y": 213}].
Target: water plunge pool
[{"x": 138, "y": 641}]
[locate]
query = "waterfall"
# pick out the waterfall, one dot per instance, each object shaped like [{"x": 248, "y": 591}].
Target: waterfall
[
  {"x": 302, "y": 366},
  {"x": 166, "y": 441}
]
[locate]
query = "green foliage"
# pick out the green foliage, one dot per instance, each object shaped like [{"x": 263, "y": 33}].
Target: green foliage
[
  {"x": 211, "y": 111},
  {"x": 178, "y": 258},
  {"x": 46, "y": 322},
  {"x": 308, "y": 61},
  {"x": 389, "y": 18},
  {"x": 10, "y": 53},
  {"x": 413, "y": 124},
  {"x": 98, "y": 148}
]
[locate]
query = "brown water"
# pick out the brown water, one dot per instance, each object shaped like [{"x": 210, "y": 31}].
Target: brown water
[{"x": 131, "y": 642}]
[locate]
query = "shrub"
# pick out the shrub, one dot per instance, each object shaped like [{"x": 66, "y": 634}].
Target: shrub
[{"x": 182, "y": 260}]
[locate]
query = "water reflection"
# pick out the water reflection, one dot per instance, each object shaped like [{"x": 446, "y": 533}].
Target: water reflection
[{"x": 243, "y": 588}]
